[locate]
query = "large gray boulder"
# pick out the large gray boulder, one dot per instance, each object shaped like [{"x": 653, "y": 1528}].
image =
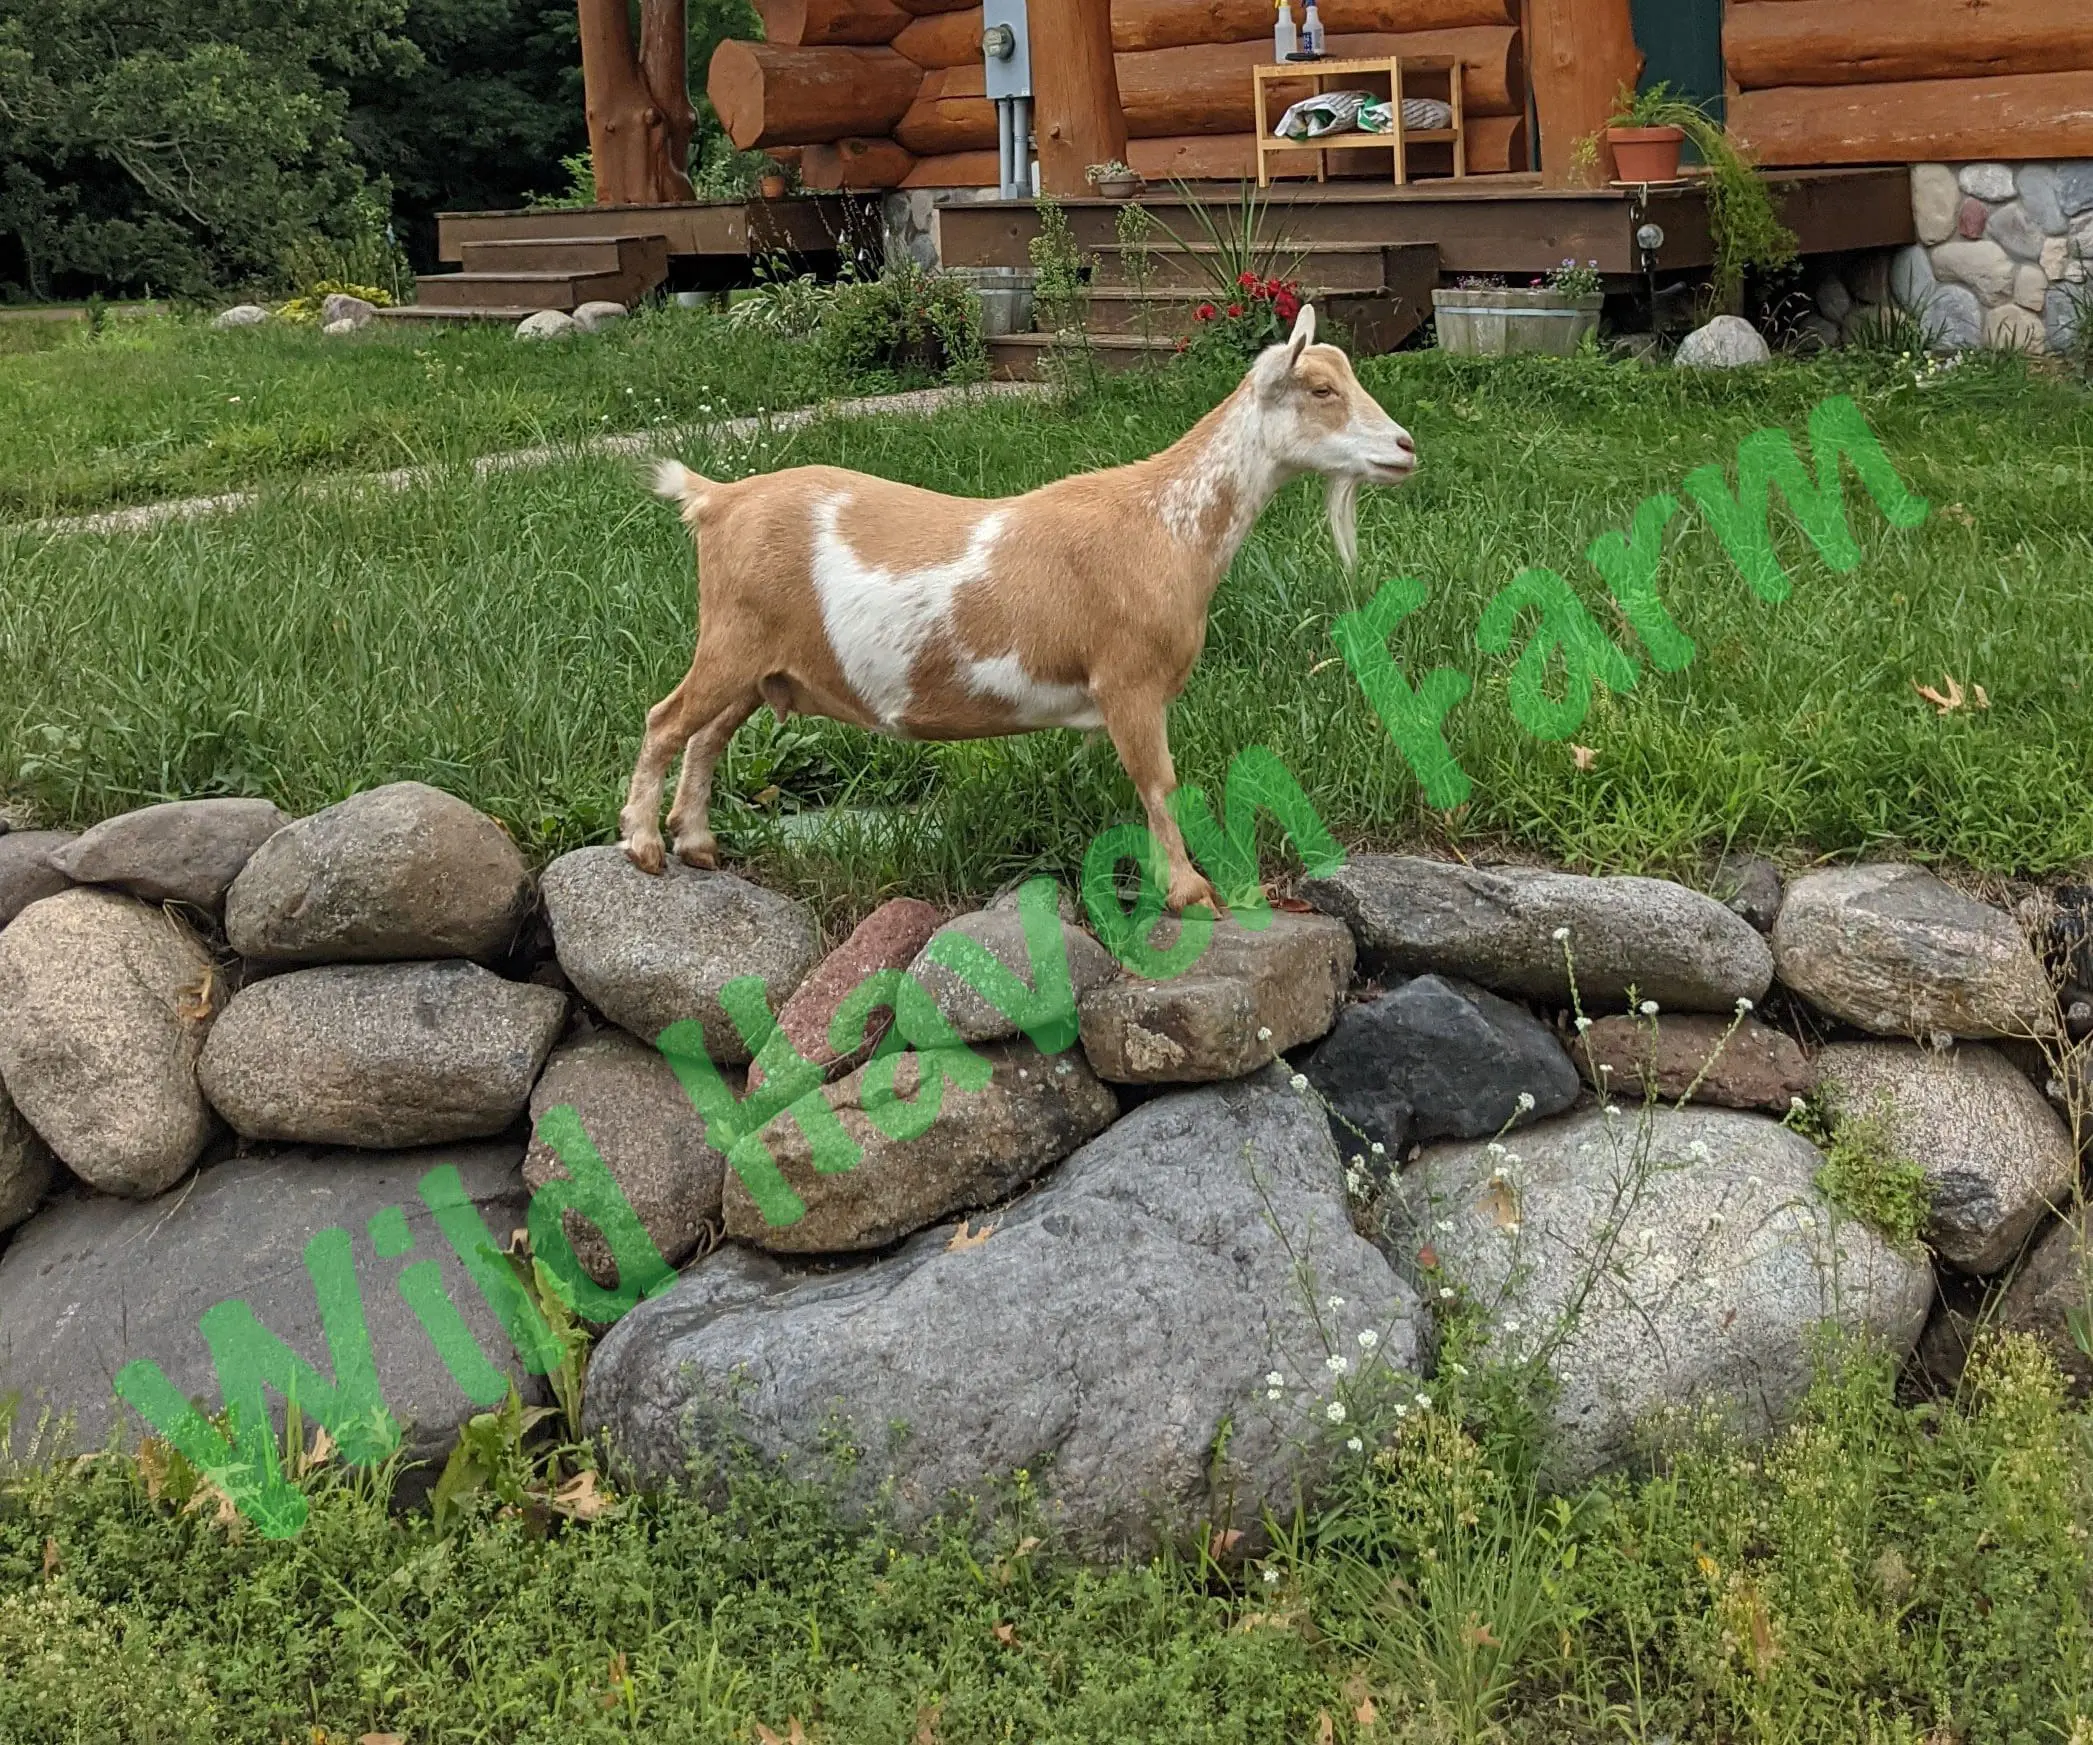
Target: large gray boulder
[
  {"x": 1670, "y": 1259},
  {"x": 241, "y": 315},
  {"x": 1113, "y": 1335},
  {"x": 548, "y": 324},
  {"x": 1001, "y": 933},
  {"x": 106, "y": 1003},
  {"x": 983, "y": 1146},
  {"x": 185, "y": 851},
  {"x": 1439, "y": 1059},
  {"x": 1997, "y": 1157},
  {"x": 647, "y": 950},
  {"x": 89, "y": 1285},
  {"x": 1497, "y": 926},
  {"x": 1728, "y": 342},
  {"x": 380, "y": 1054},
  {"x": 1893, "y": 950},
  {"x": 643, "y": 1127},
  {"x": 403, "y": 871},
  {"x": 26, "y": 873},
  {"x": 1247, "y": 998},
  {"x": 26, "y": 1165},
  {"x": 339, "y": 306}
]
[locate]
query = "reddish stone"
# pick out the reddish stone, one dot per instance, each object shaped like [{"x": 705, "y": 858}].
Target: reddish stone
[
  {"x": 1758, "y": 1068},
  {"x": 888, "y": 938},
  {"x": 1974, "y": 216}
]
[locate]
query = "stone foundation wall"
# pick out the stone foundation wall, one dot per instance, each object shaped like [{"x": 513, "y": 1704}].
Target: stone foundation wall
[{"x": 2002, "y": 253}]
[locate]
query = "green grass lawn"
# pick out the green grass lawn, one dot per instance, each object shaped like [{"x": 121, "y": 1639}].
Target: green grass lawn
[
  {"x": 503, "y": 638},
  {"x": 150, "y": 408},
  {"x": 1880, "y": 1574}
]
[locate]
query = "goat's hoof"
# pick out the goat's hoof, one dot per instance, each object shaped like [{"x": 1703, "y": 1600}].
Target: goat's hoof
[
  {"x": 1184, "y": 893},
  {"x": 699, "y": 851},
  {"x": 645, "y": 852}
]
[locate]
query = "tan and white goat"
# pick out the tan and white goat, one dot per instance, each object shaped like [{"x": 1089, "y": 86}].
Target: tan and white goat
[{"x": 1081, "y": 604}]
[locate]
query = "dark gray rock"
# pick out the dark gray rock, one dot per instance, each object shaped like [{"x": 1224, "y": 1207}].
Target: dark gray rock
[
  {"x": 399, "y": 872},
  {"x": 650, "y": 1139},
  {"x": 1748, "y": 885},
  {"x": 26, "y": 1166},
  {"x": 647, "y": 950},
  {"x": 106, "y": 1005},
  {"x": 91, "y": 1284},
  {"x": 2075, "y": 188},
  {"x": 186, "y": 851},
  {"x": 1896, "y": 951},
  {"x": 1439, "y": 1059},
  {"x": 379, "y": 1054},
  {"x": 1997, "y": 1157},
  {"x": 1111, "y": 1327},
  {"x": 1248, "y": 997},
  {"x": 1677, "y": 1259},
  {"x": 2047, "y": 1296},
  {"x": 26, "y": 873},
  {"x": 1497, "y": 926}
]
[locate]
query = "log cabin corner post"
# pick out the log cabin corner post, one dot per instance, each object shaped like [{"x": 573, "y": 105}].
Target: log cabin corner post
[
  {"x": 639, "y": 137},
  {"x": 1077, "y": 116},
  {"x": 1579, "y": 54}
]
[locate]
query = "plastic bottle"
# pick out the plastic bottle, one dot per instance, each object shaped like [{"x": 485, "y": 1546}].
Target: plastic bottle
[
  {"x": 1283, "y": 40},
  {"x": 1312, "y": 31}
]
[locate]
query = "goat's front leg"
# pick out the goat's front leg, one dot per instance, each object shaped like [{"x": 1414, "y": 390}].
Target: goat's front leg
[
  {"x": 690, "y": 814},
  {"x": 1140, "y": 736}
]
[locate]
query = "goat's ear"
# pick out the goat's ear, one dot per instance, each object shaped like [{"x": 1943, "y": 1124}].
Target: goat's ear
[{"x": 1303, "y": 335}]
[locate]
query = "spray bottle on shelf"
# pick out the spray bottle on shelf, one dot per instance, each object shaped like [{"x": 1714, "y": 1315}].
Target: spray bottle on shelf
[
  {"x": 1283, "y": 40},
  {"x": 1312, "y": 31}
]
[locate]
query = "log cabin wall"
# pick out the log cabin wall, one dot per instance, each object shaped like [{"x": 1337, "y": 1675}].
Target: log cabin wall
[
  {"x": 890, "y": 93},
  {"x": 1991, "y": 105}
]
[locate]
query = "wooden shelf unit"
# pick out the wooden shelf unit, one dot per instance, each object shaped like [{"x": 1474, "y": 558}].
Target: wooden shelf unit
[{"x": 1397, "y": 140}]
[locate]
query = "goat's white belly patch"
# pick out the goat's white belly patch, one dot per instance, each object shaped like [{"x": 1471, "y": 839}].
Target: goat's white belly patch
[
  {"x": 877, "y": 620},
  {"x": 1033, "y": 702}
]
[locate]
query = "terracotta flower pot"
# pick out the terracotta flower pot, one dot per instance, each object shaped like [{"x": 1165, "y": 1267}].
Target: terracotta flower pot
[
  {"x": 1646, "y": 154},
  {"x": 771, "y": 187}
]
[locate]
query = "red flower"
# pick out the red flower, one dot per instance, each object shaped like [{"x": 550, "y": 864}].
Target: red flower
[
  {"x": 1235, "y": 309},
  {"x": 1273, "y": 287},
  {"x": 1286, "y": 305},
  {"x": 1248, "y": 281},
  {"x": 1184, "y": 345},
  {"x": 1205, "y": 312}
]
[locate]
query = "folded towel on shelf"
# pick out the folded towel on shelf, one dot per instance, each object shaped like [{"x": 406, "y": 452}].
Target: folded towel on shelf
[
  {"x": 1420, "y": 115},
  {"x": 1332, "y": 112}
]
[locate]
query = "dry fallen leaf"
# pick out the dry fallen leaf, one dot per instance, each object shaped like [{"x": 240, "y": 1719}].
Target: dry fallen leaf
[
  {"x": 1222, "y": 1541},
  {"x": 382, "y": 1739},
  {"x": 152, "y": 1466},
  {"x": 195, "y": 1002},
  {"x": 1325, "y": 1728},
  {"x": 965, "y": 1237},
  {"x": 794, "y": 1734},
  {"x": 1977, "y": 696},
  {"x": 1503, "y": 1204},
  {"x": 1007, "y": 1635},
  {"x": 1477, "y": 1635},
  {"x": 579, "y": 1499},
  {"x": 1360, "y": 1696},
  {"x": 1583, "y": 756},
  {"x": 926, "y": 1725},
  {"x": 1029, "y": 1543},
  {"x": 1945, "y": 703}
]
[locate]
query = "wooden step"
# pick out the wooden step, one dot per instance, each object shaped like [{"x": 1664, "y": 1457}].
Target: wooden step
[
  {"x": 1329, "y": 266},
  {"x": 566, "y": 291},
  {"x": 1016, "y": 357},
  {"x": 428, "y": 312},
  {"x": 564, "y": 254},
  {"x": 1366, "y": 323}
]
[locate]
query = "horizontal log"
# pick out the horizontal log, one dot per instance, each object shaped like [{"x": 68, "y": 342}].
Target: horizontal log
[
  {"x": 946, "y": 39},
  {"x": 816, "y": 23},
  {"x": 931, "y": 8},
  {"x": 768, "y": 94},
  {"x": 935, "y": 126},
  {"x": 1206, "y": 88},
  {"x": 961, "y": 81},
  {"x": 1496, "y": 144},
  {"x": 1141, "y": 24},
  {"x": 1860, "y": 42},
  {"x": 855, "y": 163},
  {"x": 966, "y": 169},
  {"x": 2038, "y": 115}
]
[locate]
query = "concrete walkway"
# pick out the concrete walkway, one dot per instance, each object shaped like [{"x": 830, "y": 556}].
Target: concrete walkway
[{"x": 919, "y": 403}]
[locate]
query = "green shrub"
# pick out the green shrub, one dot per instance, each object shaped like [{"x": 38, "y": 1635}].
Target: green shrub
[
  {"x": 1863, "y": 1175},
  {"x": 909, "y": 320}
]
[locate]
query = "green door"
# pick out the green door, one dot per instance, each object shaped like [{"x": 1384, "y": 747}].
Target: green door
[{"x": 1681, "y": 42}]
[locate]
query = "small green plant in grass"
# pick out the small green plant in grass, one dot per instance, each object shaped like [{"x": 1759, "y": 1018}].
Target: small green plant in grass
[
  {"x": 1060, "y": 275},
  {"x": 1862, "y": 1173},
  {"x": 791, "y": 305},
  {"x": 910, "y": 319}
]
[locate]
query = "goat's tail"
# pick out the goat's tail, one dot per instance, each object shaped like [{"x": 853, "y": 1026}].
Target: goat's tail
[{"x": 682, "y": 487}]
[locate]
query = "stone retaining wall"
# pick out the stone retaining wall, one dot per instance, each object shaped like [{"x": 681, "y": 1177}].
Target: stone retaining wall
[
  {"x": 2002, "y": 252},
  {"x": 231, "y": 1042}
]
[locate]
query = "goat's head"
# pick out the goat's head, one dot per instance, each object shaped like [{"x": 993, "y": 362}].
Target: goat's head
[{"x": 1318, "y": 419}]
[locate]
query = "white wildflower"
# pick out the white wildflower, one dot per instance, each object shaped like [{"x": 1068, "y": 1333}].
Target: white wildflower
[
  {"x": 1402, "y": 1411},
  {"x": 1271, "y": 1578},
  {"x": 1334, "y": 1411},
  {"x": 1355, "y": 1445},
  {"x": 1525, "y": 1101},
  {"x": 1583, "y": 1023},
  {"x": 1446, "y": 1293},
  {"x": 1494, "y": 1149},
  {"x": 1336, "y": 1303},
  {"x": 1378, "y": 1149},
  {"x": 1299, "y": 1081},
  {"x": 1275, "y": 1380},
  {"x": 1272, "y": 1394},
  {"x": 1796, "y": 1105},
  {"x": 1337, "y": 1363},
  {"x": 1511, "y": 1324},
  {"x": 1445, "y": 1226},
  {"x": 1424, "y": 1402},
  {"x": 1264, "y": 1033},
  {"x": 1368, "y": 1339},
  {"x": 1561, "y": 935},
  {"x": 1648, "y": 1008},
  {"x": 1743, "y": 1005}
]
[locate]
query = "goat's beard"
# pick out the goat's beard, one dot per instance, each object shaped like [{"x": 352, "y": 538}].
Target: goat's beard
[{"x": 1341, "y": 499}]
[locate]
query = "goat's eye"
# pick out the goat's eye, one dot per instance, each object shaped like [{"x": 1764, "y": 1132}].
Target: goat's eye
[{"x": 1324, "y": 393}]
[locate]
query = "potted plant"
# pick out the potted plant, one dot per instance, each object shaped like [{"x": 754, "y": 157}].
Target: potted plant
[
  {"x": 1742, "y": 219},
  {"x": 773, "y": 183},
  {"x": 1114, "y": 180},
  {"x": 1484, "y": 317},
  {"x": 1645, "y": 135}
]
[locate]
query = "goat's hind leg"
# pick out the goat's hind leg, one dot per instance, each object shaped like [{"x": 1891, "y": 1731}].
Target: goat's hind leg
[
  {"x": 673, "y": 724},
  {"x": 690, "y": 814}
]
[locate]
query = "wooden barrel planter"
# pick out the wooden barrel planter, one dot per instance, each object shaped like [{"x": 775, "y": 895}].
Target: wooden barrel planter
[{"x": 1506, "y": 323}]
